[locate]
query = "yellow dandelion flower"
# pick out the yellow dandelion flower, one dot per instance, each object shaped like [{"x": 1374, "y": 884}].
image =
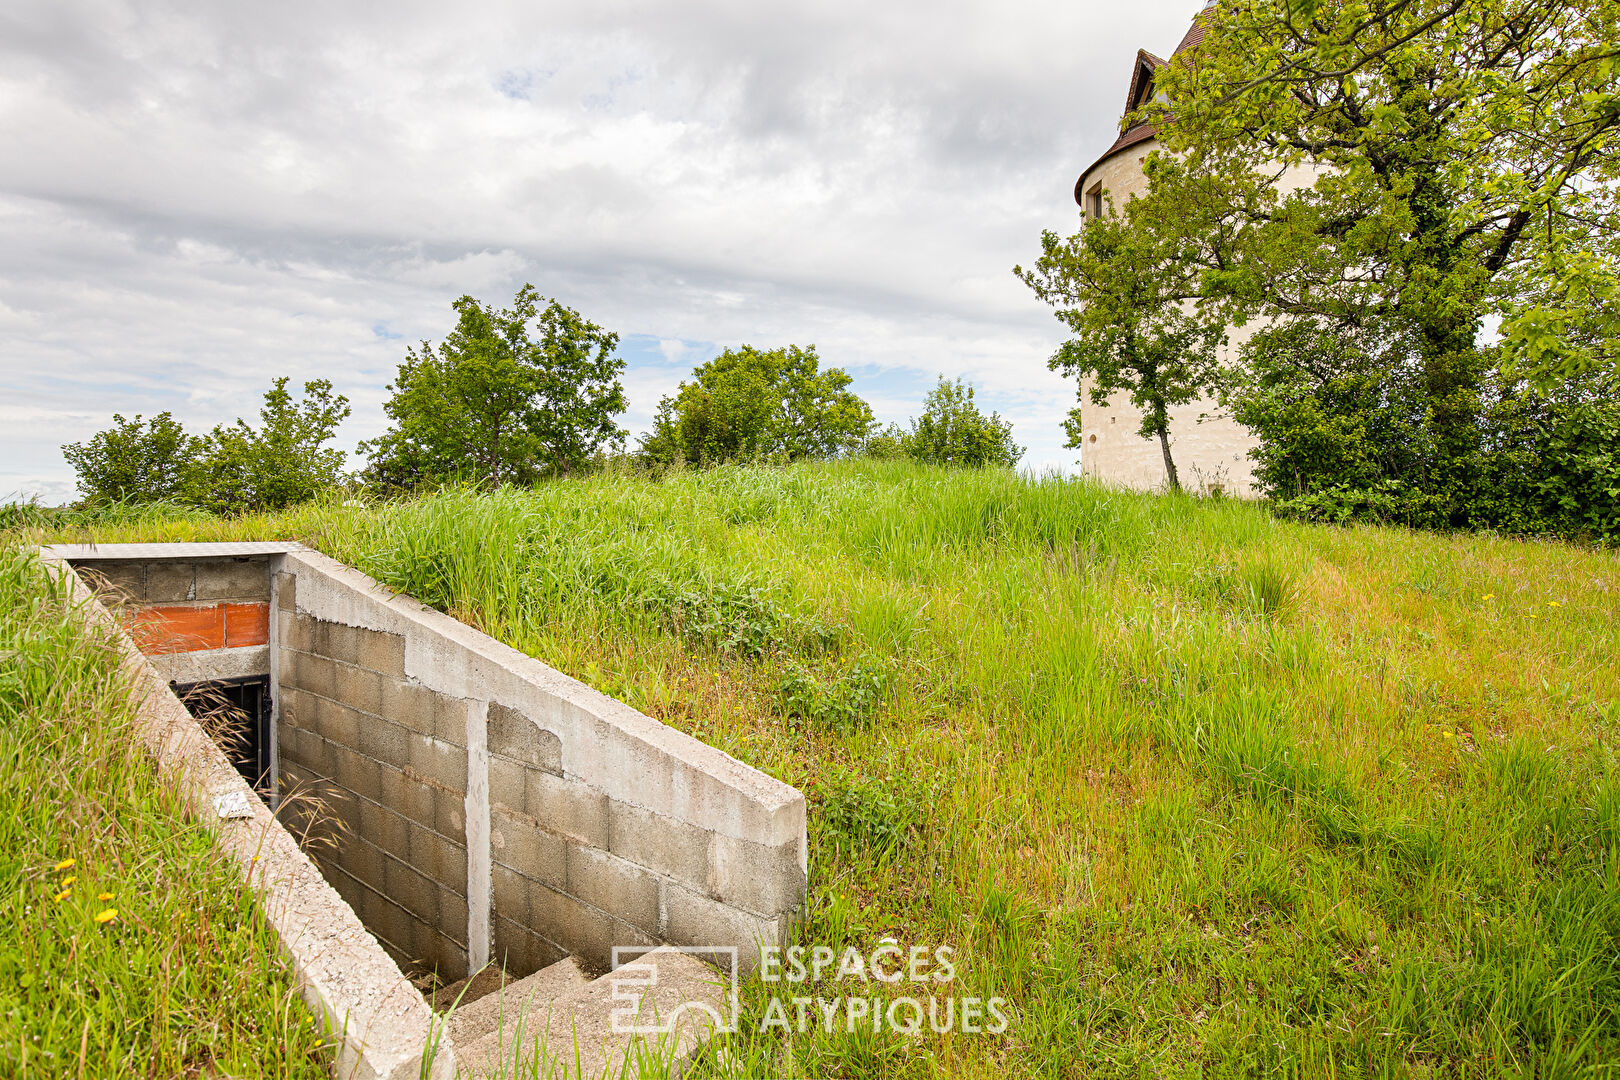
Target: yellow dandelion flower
[
  {"x": 65, "y": 864},
  {"x": 104, "y": 897},
  {"x": 1554, "y": 603},
  {"x": 106, "y": 915},
  {"x": 67, "y": 882},
  {"x": 61, "y": 896},
  {"x": 1489, "y": 596}
]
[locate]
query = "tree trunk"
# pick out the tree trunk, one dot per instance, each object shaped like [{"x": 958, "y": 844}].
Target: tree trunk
[{"x": 1164, "y": 445}]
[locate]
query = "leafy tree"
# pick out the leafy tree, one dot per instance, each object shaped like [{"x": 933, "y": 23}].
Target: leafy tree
[
  {"x": 1368, "y": 184},
  {"x": 952, "y": 430},
  {"x": 134, "y": 461},
  {"x": 282, "y": 462},
  {"x": 511, "y": 396},
  {"x": 750, "y": 403},
  {"x": 1123, "y": 287}
]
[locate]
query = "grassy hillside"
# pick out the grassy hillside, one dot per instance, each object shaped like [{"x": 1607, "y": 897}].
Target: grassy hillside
[
  {"x": 1199, "y": 792},
  {"x": 128, "y": 946}
]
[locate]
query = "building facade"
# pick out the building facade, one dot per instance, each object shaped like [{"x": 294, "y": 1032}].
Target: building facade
[{"x": 1211, "y": 450}]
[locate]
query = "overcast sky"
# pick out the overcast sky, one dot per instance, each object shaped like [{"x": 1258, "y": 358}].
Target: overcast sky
[{"x": 196, "y": 198}]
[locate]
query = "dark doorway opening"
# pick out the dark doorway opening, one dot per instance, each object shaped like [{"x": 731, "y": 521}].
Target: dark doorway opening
[{"x": 236, "y": 713}]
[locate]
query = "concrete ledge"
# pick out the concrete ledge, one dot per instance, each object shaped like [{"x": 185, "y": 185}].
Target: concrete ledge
[{"x": 382, "y": 1022}]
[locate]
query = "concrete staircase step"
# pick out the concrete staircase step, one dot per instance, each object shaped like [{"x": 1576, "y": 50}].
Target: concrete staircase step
[
  {"x": 472, "y": 1020},
  {"x": 466, "y": 991},
  {"x": 667, "y": 1003}
]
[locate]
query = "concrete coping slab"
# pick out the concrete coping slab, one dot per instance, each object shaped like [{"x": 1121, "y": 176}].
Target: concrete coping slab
[{"x": 136, "y": 552}]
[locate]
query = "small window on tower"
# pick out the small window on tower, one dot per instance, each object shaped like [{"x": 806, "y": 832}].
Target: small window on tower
[{"x": 1094, "y": 202}]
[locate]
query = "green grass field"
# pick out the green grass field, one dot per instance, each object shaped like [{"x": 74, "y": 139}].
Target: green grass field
[
  {"x": 128, "y": 946},
  {"x": 1199, "y": 792}
]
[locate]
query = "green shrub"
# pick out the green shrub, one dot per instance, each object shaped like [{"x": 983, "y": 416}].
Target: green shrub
[
  {"x": 876, "y": 815},
  {"x": 850, "y": 702}
]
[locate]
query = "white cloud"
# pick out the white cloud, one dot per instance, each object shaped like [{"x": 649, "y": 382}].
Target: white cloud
[{"x": 197, "y": 198}]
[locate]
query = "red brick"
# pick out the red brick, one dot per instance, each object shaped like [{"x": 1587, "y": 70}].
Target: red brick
[
  {"x": 172, "y": 629},
  {"x": 247, "y": 624}
]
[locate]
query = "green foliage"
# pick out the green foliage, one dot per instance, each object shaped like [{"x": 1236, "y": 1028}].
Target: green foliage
[
  {"x": 751, "y": 404},
  {"x": 187, "y": 979},
  {"x": 846, "y": 703},
  {"x": 135, "y": 461},
  {"x": 1368, "y": 226},
  {"x": 953, "y": 431},
  {"x": 1121, "y": 286},
  {"x": 510, "y": 396},
  {"x": 282, "y": 462},
  {"x": 873, "y": 815},
  {"x": 234, "y": 469},
  {"x": 1358, "y": 446}
]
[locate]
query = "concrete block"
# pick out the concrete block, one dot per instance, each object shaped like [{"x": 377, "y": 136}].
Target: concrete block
[
  {"x": 406, "y": 797},
  {"x": 360, "y": 774},
  {"x": 383, "y": 827},
  {"x": 358, "y": 688},
  {"x": 292, "y": 704},
  {"x": 453, "y": 917},
  {"x": 613, "y": 885},
  {"x": 409, "y": 705},
  {"x": 766, "y": 881},
  {"x": 333, "y": 721},
  {"x": 387, "y": 743},
  {"x": 514, "y": 735},
  {"x": 316, "y": 674},
  {"x": 439, "y": 858},
  {"x": 522, "y": 951},
  {"x": 439, "y": 762},
  {"x": 673, "y": 848},
  {"x": 304, "y": 747},
  {"x": 507, "y": 784},
  {"x": 298, "y": 632},
  {"x": 570, "y": 807},
  {"x": 414, "y": 892},
  {"x": 380, "y": 652},
  {"x": 510, "y": 892},
  {"x": 116, "y": 581},
  {"x": 233, "y": 579},
  {"x": 690, "y": 919},
  {"x": 170, "y": 582},
  {"x": 363, "y": 861},
  {"x": 533, "y": 852},
  {"x": 586, "y": 933},
  {"x": 450, "y": 719},
  {"x": 287, "y": 592},
  {"x": 439, "y": 954}
]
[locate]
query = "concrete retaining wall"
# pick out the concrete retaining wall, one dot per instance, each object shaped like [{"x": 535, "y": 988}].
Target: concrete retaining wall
[{"x": 499, "y": 809}]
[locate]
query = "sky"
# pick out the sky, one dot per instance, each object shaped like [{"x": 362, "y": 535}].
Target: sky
[{"x": 198, "y": 198}]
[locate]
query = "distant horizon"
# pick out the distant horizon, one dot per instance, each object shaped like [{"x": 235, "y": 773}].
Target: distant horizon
[{"x": 197, "y": 203}]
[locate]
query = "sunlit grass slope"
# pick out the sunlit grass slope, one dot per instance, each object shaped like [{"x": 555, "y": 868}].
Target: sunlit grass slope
[
  {"x": 1197, "y": 791},
  {"x": 128, "y": 946}
]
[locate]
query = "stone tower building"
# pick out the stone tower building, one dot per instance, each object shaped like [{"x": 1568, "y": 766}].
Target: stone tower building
[{"x": 1209, "y": 447}]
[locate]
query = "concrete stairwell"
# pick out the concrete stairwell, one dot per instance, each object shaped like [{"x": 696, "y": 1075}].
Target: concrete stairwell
[{"x": 648, "y": 1018}]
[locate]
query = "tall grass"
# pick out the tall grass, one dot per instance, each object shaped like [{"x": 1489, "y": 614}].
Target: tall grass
[
  {"x": 1198, "y": 791},
  {"x": 128, "y": 945}
]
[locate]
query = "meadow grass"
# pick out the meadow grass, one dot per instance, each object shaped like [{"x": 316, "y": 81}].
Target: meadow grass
[
  {"x": 1199, "y": 792},
  {"x": 128, "y": 945}
]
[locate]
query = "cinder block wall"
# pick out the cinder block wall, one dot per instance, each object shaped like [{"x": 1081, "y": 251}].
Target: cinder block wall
[
  {"x": 386, "y": 758},
  {"x": 497, "y": 809}
]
